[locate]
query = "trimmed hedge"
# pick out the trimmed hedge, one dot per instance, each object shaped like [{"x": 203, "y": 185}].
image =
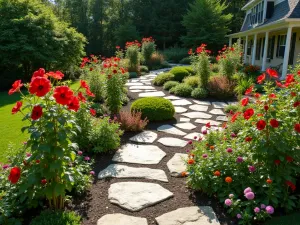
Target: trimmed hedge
[
  {"x": 170, "y": 84},
  {"x": 163, "y": 78},
  {"x": 199, "y": 93},
  {"x": 182, "y": 90},
  {"x": 193, "y": 81},
  {"x": 154, "y": 108},
  {"x": 179, "y": 73}
]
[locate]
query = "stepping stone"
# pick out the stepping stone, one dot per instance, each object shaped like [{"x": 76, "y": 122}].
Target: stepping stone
[
  {"x": 212, "y": 123},
  {"x": 181, "y": 102},
  {"x": 144, "y": 137},
  {"x": 217, "y": 112},
  {"x": 200, "y": 108},
  {"x": 232, "y": 103},
  {"x": 196, "y": 115},
  {"x": 179, "y": 109},
  {"x": 195, "y": 215},
  {"x": 185, "y": 126},
  {"x": 135, "y": 196},
  {"x": 134, "y": 80},
  {"x": 121, "y": 171},
  {"x": 192, "y": 135},
  {"x": 184, "y": 119},
  {"x": 177, "y": 165},
  {"x": 202, "y": 102},
  {"x": 142, "y": 87},
  {"x": 171, "y": 97},
  {"x": 222, "y": 118},
  {"x": 173, "y": 142},
  {"x": 134, "y": 84},
  {"x": 121, "y": 219},
  {"x": 134, "y": 91},
  {"x": 149, "y": 90},
  {"x": 152, "y": 94},
  {"x": 219, "y": 105},
  {"x": 140, "y": 154},
  {"x": 171, "y": 130}
]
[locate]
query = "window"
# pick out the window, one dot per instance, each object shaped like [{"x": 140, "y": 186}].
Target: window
[
  {"x": 280, "y": 45},
  {"x": 258, "y": 49},
  {"x": 271, "y": 46},
  {"x": 249, "y": 47},
  {"x": 257, "y": 13}
]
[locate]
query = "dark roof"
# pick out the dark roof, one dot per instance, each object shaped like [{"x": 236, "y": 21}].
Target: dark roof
[{"x": 283, "y": 10}]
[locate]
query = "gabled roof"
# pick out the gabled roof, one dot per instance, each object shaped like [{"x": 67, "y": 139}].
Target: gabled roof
[{"x": 284, "y": 10}]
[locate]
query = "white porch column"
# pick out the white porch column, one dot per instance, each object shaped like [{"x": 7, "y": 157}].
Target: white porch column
[
  {"x": 254, "y": 50},
  {"x": 286, "y": 52},
  {"x": 265, "y": 9},
  {"x": 245, "y": 49},
  {"x": 230, "y": 41},
  {"x": 264, "y": 62}
]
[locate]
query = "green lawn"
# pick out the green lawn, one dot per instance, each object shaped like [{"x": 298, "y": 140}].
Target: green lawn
[{"x": 10, "y": 125}]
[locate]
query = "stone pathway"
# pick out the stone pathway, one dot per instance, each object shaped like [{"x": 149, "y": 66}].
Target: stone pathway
[{"x": 144, "y": 149}]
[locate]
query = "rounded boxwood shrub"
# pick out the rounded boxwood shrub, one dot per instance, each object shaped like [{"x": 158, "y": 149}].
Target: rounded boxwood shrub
[
  {"x": 179, "y": 73},
  {"x": 182, "y": 90},
  {"x": 199, "y": 93},
  {"x": 193, "y": 81},
  {"x": 189, "y": 69},
  {"x": 168, "y": 85},
  {"x": 163, "y": 78},
  {"x": 154, "y": 108},
  {"x": 49, "y": 217}
]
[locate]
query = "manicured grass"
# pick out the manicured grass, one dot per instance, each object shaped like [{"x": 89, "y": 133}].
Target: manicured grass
[{"x": 285, "y": 220}]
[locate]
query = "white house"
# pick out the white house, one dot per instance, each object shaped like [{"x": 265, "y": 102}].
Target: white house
[{"x": 270, "y": 34}]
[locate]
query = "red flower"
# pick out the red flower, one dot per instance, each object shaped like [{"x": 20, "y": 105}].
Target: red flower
[
  {"x": 81, "y": 97},
  {"x": 289, "y": 158},
  {"x": 248, "y": 113},
  {"x": 14, "y": 175},
  {"x": 117, "y": 47},
  {"x": 40, "y": 86},
  {"x": 272, "y": 73},
  {"x": 83, "y": 84},
  {"x": 15, "y": 87},
  {"x": 291, "y": 185},
  {"x": 261, "y": 124},
  {"x": 44, "y": 181},
  {"x": 257, "y": 95},
  {"x": 91, "y": 69},
  {"x": 297, "y": 127},
  {"x": 63, "y": 95},
  {"x": 93, "y": 112},
  {"x": 293, "y": 94},
  {"x": 289, "y": 79},
  {"x": 249, "y": 90},
  {"x": 248, "y": 139},
  {"x": 190, "y": 51},
  {"x": 217, "y": 173},
  {"x": 235, "y": 116},
  {"x": 277, "y": 162},
  {"x": 16, "y": 108},
  {"x": 266, "y": 107},
  {"x": 272, "y": 95},
  {"x": 274, "y": 123},
  {"x": 208, "y": 125},
  {"x": 245, "y": 101},
  {"x": 39, "y": 73},
  {"x": 261, "y": 78},
  {"x": 279, "y": 84},
  {"x": 56, "y": 75},
  {"x": 115, "y": 71},
  {"x": 89, "y": 93},
  {"x": 37, "y": 112},
  {"x": 296, "y": 104},
  {"x": 74, "y": 104}
]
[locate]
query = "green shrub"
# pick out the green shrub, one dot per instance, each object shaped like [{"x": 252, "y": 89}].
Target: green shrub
[
  {"x": 175, "y": 54},
  {"x": 215, "y": 68},
  {"x": 154, "y": 108},
  {"x": 133, "y": 75},
  {"x": 148, "y": 48},
  {"x": 182, "y": 90},
  {"x": 221, "y": 87},
  {"x": 242, "y": 83},
  {"x": 56, "y": 218},
  {"x": 199, "y": 93},
  {"x": 170, "y": 84},
  {"x": 96, "y": 83},
  {"x": 105, "y": 135},
  {"x": 133, "y": 55},
  {"x": 179, "y": 73},
  {"x": 163, "y": 78},
  {"x": 193, "y": 81},
  {"x": 144, "y": 69},
  {"x": 156, "y": 60},
  {"x": 189, "y": 69},
  {"x": 185, "y": 60}
]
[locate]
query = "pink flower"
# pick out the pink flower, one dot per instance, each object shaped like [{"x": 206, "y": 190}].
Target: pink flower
[
  {"x": 5, "y": 166},
  {"x": 269, "y": 209},
  {"x": 190, "y": 142},
  {"x": 262, "y": 206},
  {"x": 86, "y": 158},
  {"x": 228, "y": 202},
  {"x": 79, "y": 152},
  {"x": 250, "y": 195},
  {"x": 204, "y": 132},
  {"x": 248, "y": 189},
  {"x": 195, "y": 137},
  {"x": 231, "y": 195},
  {"x": 92, "y": 173},
  {"x": 256, "y": 210},
  {"x": 252, "y": 169},
  {"x": 239, "y": 216},
  {"x": 28, "y": 154},
  {"x": 204, "y": 156},
  {"x": 229, "y": 150},
  {"x": 233, "y": 135},
  {"x": 239, "y": 159}
]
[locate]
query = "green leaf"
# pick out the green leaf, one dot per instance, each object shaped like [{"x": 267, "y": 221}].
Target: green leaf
[
  {"x": 73, "y": 156},
  {"x": 44, "y": 148},
  {"x": 59, "y": 189}
]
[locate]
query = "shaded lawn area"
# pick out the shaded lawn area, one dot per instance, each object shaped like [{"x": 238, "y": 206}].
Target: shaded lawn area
[{"x": 10, "y": 125}]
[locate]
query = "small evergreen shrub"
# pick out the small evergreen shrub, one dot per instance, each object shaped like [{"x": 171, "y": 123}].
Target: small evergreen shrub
[
  {"x": 215, "y": 68},
  {"x": 133, "y": 55},
  {"x": 148, "y": 48},
  {"x": 179, "y": 73},
  {"x": 144, "y": 69},
  {"x": 170, "y": 84},
  {"x": 199, "y": 93},
  {"x": 132, "y": 121},
  {"x": 182, "y": 90},
  {"x": 154, "y": 108},
  {"x": 185, "y": 60},
  {"x": 189, "y": 69},
  {"x": 221, "y": 87},
  {"x": 96, "y": 83},
  {"x": 163, "y": 78},
  {"x": 156, "y": 61},
  {"x": 49, "y": 217},
  {"x": 193, "y": 81}
]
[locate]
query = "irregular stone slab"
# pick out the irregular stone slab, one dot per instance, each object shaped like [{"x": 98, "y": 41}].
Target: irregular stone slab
[
  {"x": 134, "y": 91},
  {"x": 202, "y": 102},
  {"x": 192, "y": 136},
  {"x": 232, "y": 103},
  {"x": 219, "y": 105},
  {"x": 173, "y": 142},
  {"x": 222, "y": 118},
  {"x": 200, "y": 108},
  {"x": 141, "y": 154},
  {"x": 212, "y": 122},
  {"x": 171, "y": 130},
  {"x": 195, "y": 215},
  {"x": 217, "y": 112},
  {"x": 134, "y": 80},
  {"x": 142, "y": 87},
  {"x": 149, "y": 90},
  {"x": 121, "y": 219},
  {"x": 181, "y": 102},
  {"x": 179, "y": 109},
  {"x": 152, "y": 94},
  {"x": 184, "y": 119},
  {"x": 177, "y": 165},
  {"x": 185, "y": 126},
  {"x": 144, "y": 137},
  {"x": 196, "y": 115},
  {"x": 135, "y": 196},
  {"x": 134, "y": 84},
  {"x": 121, "y": 171},
  {"x": 171, "y": 97}
]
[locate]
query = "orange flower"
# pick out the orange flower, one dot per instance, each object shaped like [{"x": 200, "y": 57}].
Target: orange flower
[
  {"x": 192, "y": 155},
  {"x": 184, "y": 174},
  {"x": 217, "y": 173},
  {"x": 269, "y": 181},
  {"x": 212, "y": 147},
  {"x": 191, "y": 161},
  {"x": 228, "y": 180}
]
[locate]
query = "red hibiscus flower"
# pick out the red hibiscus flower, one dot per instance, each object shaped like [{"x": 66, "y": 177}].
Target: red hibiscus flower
[
  {"x": 261, "y": 78},
  {"x": 248, "y": 139},
  {"x": 89, "y": 93},
  {"x": 289, "y": 79},
  {"x": 272, "y": 73},
  {"x": 81, "y": 97},
  {"x": 261, "y": 124},
  {"x": 297, "y": 127},
  {"x": 274, "y": 123},
  {"x": 249, "y": 90},
  {"x": 40, "y": 86},
  {"x": 245, "y": 101},
  {"x": 248, "y": 113},
  {"x": 56, "y": 75},
  {"x": 14, "y": 175},
  {"x": 15, "y": 87},
  {"x": 63, "y": 95},
  {"x": 257, "y": 95},
  {"x": 279, "y": 84},
  {"x": 235, "y": 116},
  {"x": 74, "y": 104},
  {"x": 93, "y": 112},
  {"x": 208, "y": 125},
  {"x": 37, "y": 112},
  {"x": 291, "y": 185},
  {"x": 272, "y": 95},
  {"x": 83, "y": 84},
  {"x": 277, "y": 162},
  {"x": 266, "y": 107},
  {"x": 289, "y": 158},
  {"x": 39, "y": 73},
  {"x": 16, "y": 108}
]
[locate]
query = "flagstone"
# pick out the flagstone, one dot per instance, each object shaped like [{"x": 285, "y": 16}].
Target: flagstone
[
  {"x": 172, "y": 142},
  {"x": 179, "y": 109},
  {"x": 185, "y": 126},
  {"x": 192, "y": 136},
  {"x": 134, "y": 91},
  {"x": 177, "y": 164},
  {"x": 200, "y": 108},
  {"x": 217, "y": 112},
  {"x": 196, "y": 115},
  {"x": 121, "y": 219},
  {"x": 219, "y": 105},
  {"x": 181, "y": 102},
  {"x": 222, "y": 118},
  {"x": 134, "y": 84},
  {"x": 202, "y": 102},
  {"x": 171, "y": 130},
  {"x": 171, "y": 97},
  {"x": 144, "y": 137},
  {"x": 212, "y": 122},
  {"x": 182, "y": 119},
  {"x": 142, "y": 87},
  {"x": 152, "y": 94}
]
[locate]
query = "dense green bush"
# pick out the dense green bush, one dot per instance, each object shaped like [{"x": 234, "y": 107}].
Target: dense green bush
[
  {"x": 185, "y": 60},
  {"x": 170, "y": 84},
  {"x": 144, "y": 69},
  {"x": 56, "y": 218},
  {"x": 175, "y": 54},
  {"x": 133, "y": 55},
  {"x": 214, "y": 68},
  {"x": 193, "y": 81},
  {"x": 163, "y": 78},
  {"x": 96, "y": 82},
  {"x": 190, "y": 69},
  {"x": 242, "y": 83},
  {"x": 156, "y": 61},
  {"x": 148, "y": 48},
  {"x": 182, "y": 90},
  {"x": 199, "y": 93},
  {"x": 179, "y": 73},
  {"x": 221, "y": 87},
  {"x": 154, "y": 108}
]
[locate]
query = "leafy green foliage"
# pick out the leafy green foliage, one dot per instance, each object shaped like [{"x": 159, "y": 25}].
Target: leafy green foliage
[
  {"x": 199, "y": 93},
  {"x": 221, "y": 87},
  {"x": 133, "y": 55},
  {"x": 56, "y": 218},
  {"x": 242, "y": 83},
  {"x": 144, "y": 69},
  {"x": 185, "y": 60},
  {"x": 182, "y": 90},
  {"x": 153, "y": 108},
  {"x": 126, "y": 32},
  {"x": 163, "y": 78},
  {"x": 175, "y": 54},
  {"x": 156, "y": 61},
  {"x": 179, "y": 73},
  {"x": 170, "y": 84},
  {"x": 193, "y": 81},
  {"x": 148, "y": 48},
  {"x": 231, "y": 107}
]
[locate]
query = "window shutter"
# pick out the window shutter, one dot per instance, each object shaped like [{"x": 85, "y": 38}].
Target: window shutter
[
  {"x": 263, "y": 47},
  {"x": 277, "y": 49},
  {"x": 272, "y": 47}
]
